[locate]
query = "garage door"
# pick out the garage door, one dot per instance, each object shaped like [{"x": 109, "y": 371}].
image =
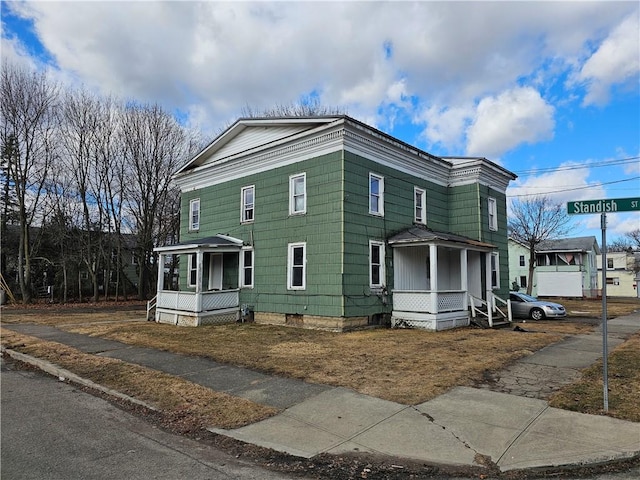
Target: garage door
[{"x": 559, "y": 284}]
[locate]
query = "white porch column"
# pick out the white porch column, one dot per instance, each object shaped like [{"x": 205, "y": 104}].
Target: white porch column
[
  {"x": 199, "y": 276},
  {"x": 464, "y": 282},
  {"x": 433, "y": 274},
  {"x": 161, "y": 258}
]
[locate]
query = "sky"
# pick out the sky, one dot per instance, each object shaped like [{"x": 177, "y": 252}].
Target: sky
[{"x": 548, "y": 90}]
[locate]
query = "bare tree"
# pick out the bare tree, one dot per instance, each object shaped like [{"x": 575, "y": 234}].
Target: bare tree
[
  {"x": 155, "y": 145},
  {"x": 27, "y": 101},
  {"x": 535, "y": 220},
  {"x": 308, "y": 107}
]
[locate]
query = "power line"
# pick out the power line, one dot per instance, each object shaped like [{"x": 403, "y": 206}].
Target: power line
[
  {"x": 572, "y": 189},
  {"x": 604, "y": 163}
]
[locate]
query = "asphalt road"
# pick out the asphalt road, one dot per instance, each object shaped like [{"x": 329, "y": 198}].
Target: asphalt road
[{"x": 50, "y": 430}]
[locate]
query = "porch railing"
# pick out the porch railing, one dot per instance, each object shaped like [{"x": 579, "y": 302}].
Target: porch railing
[
  {"x": 429, "y": 301},
  {"x": 198, "y": 302},
  {"x": 493, "y": 311}
]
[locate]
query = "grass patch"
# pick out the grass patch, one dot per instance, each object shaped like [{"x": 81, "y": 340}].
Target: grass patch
[
  {"x": 404, "y": 366},
  {"x": 592, "y": 307},
  {"x": 586, "y": 395},
  {"x": 172, "y": 395}
]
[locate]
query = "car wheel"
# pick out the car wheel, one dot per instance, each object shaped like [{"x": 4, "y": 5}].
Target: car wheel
[{"x": 537, "y": 314}]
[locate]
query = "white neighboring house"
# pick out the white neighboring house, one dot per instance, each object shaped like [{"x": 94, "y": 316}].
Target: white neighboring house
[
  {"x": 622, "y": 280},
  {"x": 519, "y": 267}
]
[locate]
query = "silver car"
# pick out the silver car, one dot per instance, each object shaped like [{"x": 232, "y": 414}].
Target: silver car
[{"x": 526, "y": 306}]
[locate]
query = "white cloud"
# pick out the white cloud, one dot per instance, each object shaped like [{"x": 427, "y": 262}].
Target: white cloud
[
  {"x": 616, "y": 61},
  {"x": 513, "y": 117},
  {"x": 568, "y": 183},
  {"x": 363, "y": 56}
]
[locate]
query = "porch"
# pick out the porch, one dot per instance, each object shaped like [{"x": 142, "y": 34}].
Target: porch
[
  {"x": 209, "y": 293},
  {"x": 439, "y": 277}
]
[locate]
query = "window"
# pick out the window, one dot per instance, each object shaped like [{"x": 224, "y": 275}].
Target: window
[
  {"x": 376, "y": 194},
  {"x": 297, "y": 264},
  {"x": 522, "y": 264},
  {"x": 248, "y": 194},
  {"x": 493, "y": 213},
  {"x": 246, "y": 268},
  {"x": 609, "y": 262},
  {"x": 495, "y": 273},
  {"x": 523, "y": 281},
  {"x": 420, "y": 205},
  {"x": 194, "y": 214},
  {"x": 298, "y": 194},
  {"x": 193, "y": 270},
  {"x": 376, "y": 264},
  {"x": 613, "y": 280}
]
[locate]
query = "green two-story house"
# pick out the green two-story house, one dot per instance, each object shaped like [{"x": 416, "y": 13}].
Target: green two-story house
[{"x": 326, "y": 222}]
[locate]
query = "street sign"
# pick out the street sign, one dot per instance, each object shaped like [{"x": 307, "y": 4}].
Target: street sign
[
  {"x": 611, "y": 205},
  {"x": 603, "y": 207}
]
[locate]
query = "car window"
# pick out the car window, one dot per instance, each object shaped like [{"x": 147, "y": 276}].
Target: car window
[{"x": 515, "y": 298}]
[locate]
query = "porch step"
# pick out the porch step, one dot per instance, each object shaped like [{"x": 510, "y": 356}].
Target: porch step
[{"x": 484, "y": 323}]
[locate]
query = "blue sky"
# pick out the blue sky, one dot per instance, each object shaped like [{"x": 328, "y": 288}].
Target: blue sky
[{"x": 549, "y": 90}]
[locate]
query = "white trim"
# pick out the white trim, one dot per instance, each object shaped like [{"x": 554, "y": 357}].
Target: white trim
[
  {"x": 290, "y": 266},
  {"x": 243, "y": 205},
  {"x": 194, "y": 209},
  {"x": 423, "y": 205},
  {"x": 381, "y": 265},
  {"x": 292, "y": 194},
  {"x": 379, "y": 195}
]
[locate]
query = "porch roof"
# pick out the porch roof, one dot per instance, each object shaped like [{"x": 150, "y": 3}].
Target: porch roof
[
  {"x": 217, "y": 242},
  {"x": 423, "y": 235}
]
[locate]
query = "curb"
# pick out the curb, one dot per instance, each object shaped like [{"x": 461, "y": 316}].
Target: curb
[{"x": 64, "y": 375}]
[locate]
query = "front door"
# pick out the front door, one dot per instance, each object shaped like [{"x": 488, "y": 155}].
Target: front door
[{"x": 215, "y": 272}]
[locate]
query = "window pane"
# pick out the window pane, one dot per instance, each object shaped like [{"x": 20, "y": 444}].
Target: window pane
[
  {"x": 375, "y": 274},
  {"x": 248, "y": 259},
  {"x": 299, "y": 204},
  {"x": 375, "y": 186},
  {"x": 375, "y": 254},
  {"x": 298, "y": 255},
  {"x": 297, "y": 277}
]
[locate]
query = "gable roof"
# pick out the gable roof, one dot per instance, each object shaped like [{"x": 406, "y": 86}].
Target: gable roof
[
  {"x": 578, "y": 244},
  {"x": 273, "y": 130}
]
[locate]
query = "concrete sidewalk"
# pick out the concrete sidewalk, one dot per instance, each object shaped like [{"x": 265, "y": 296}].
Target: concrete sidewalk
[{"x": 461, "y": 427}]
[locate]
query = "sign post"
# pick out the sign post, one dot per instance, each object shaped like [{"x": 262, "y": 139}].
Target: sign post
[{"x": 603, "y": 207}]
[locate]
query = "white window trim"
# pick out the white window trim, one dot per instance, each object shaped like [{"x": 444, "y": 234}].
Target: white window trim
[
  {"x": 191, "y": 266},
  {"x": 380, "y": 179},
  {"x": 381, "y": 265},
  {"x": 492, "y": 214},
  {"x": 292, "y": 202},
  {"x": 423, "y": 205},
  {"x": 495, "y": 255},
  {"x": 290, "y": 266},
  {"x": 243, "y": 207},
  {"x": 194, "y": 226},
  {"x": 242, "y": 268}
]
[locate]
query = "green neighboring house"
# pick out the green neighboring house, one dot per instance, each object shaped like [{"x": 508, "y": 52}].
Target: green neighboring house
[
  {"x": 565, "y": 267},
  {"x": 326, "y": 222}
]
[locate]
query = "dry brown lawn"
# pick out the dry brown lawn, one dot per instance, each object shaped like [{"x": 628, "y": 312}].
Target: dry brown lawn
[
  {"x": 586, "y": 395},
  {"x": 406, "y": 366}
]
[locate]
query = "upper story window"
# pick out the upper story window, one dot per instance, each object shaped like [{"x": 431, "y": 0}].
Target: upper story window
[
  {"x": 298, "y": 194},
  {"x": 296, "y": 266},
  {"x": 376, "y": 194},
  {"x": 522, "y": 264},
  {"x": 246, "y": 268},
  {"x": 493, "y": 213},
  {"x": 194, "y": 214},
  {"x": 419, "y": 205},
  {"x": 248, "y": 204},
  {"x": 376, "y": 264},
  {"x": 609, "y": 262}
]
